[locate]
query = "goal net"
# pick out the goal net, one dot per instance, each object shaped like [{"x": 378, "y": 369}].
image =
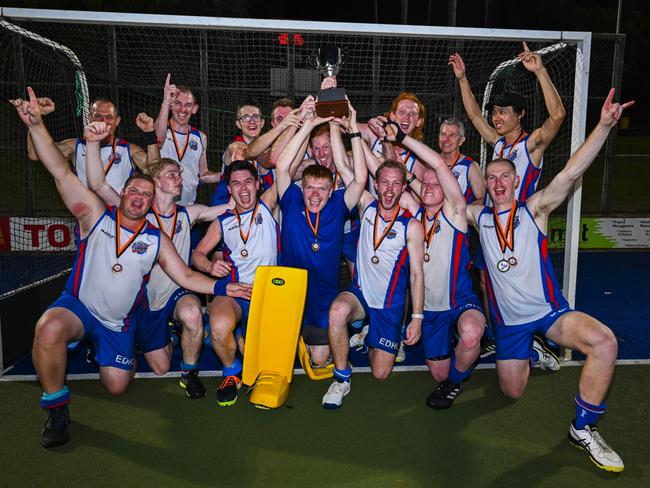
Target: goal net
[{"x": 70, "y": 56}]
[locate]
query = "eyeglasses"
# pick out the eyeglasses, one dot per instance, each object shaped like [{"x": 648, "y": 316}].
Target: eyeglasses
[{"x": 247, "y": 118}]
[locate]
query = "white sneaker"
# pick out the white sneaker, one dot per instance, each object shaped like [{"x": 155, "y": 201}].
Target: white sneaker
[
  {"x": 358, "y": 339},
  {"x": 601, "y": 454},
  {"x": 334, "y": 396},
  {"x": 401, "y": 353},
  {"x": 547, "y": 359}
]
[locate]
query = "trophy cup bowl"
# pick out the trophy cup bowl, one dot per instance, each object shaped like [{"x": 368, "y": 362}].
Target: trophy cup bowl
[{"x": 331, "y": 102}]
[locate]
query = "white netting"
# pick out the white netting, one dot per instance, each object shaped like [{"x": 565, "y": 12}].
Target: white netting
[{"x": 225, "y": 67}]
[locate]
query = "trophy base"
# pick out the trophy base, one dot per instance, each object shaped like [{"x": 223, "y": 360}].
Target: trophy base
[{"x": 332, "y": 102}]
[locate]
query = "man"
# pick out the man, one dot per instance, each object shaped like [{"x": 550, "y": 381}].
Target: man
[
  {"x": 313, "y": 219},
  {"x": 524, "y": 296},
  {"x": 250, "y": 235},
  {"x": 182, "y": 142},
  {"x": 389, "y": 258},
  {"x": 449, "y": 302},
  {"x": 507, "y": 134},
  {"x": 117, "y": 249},
  {"x": 466, "y": 171},
  {"x": 118, "y": 155},
  {"x": 165, "y": 299}
]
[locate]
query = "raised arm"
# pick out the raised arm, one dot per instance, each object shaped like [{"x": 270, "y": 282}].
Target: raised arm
[
  {"x": 339, "y": 154},
  {"x": 141, "y": 158},
  {"x": 541, "y": 137},
  {"x": 476, "y": 181},
  {"x": 94, "y": 133},
  {"x": 548, "y": 199},
  {"x": 488, "y": 133},
  {"x": 169, "y": 95},
  {"x": 356, "y": 187},
  {"x": 86, "y": 207},
  {"x": 265, "y": 144}
]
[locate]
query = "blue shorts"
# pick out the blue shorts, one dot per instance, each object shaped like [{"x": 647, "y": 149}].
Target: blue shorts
[
  {"x": 437, "y": 329},
  {"x": 516, "y": 341},
  {"x": 479, "y": 259},
  {"x": 384, "y": 324},
  {"x": 245, "y": 309},
  {"x": 111, "y": 348},
  {"x": 152, "y": 331}
]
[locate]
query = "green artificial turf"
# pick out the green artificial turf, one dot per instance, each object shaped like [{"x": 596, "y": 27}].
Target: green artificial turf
[{"x": 383, "y": 436}]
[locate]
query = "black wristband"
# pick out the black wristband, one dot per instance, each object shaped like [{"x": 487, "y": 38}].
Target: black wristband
[
  {"x": 352, "y": 135},
  {"x": 150, "y": 138},
  {"x": 399, "y": 137},
  {"x": 411, "y": 179}
]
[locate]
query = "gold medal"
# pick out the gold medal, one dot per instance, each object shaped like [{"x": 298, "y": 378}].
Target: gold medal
[
  {"x": 428, "y": 233},
  {"x": 427, "y": 258},
  {"x": 315, "y": 246},
  {"x": 512, "y": 261},
  {"x": 117, "y": 268},
  {"x": 375, "y": 260},
  {"x": 244, "y": 253},
  {"x": 244, "y": 237}
]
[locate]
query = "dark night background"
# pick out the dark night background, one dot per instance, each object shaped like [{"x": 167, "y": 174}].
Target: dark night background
[{"x": 578, "y": 15}]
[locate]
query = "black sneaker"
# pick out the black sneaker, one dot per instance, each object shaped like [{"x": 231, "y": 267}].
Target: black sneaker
[
  {"x": 444, "y": 395},
  {"x": 192, "y": 384},
  {"x": 488, "y": 347},
  {"x": 227, "y": 392},
  {"x": 55, "y": 429}
]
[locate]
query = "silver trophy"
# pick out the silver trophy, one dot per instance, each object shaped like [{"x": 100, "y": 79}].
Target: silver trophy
[{"x": 328, "y": 61}]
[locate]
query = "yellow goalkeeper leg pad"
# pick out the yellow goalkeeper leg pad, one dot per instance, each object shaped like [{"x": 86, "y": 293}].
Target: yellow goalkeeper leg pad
[
  {"x": 311, "y": 372},
  {"x": 272, "y": 331}
]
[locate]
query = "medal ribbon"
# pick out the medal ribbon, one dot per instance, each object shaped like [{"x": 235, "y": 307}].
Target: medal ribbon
[
  {"x": 406, "y": 158},
  {"x": 506, "y": 236},
  {"x": 119, "y": 249},
  {"x": 386, "y": 230},
  {"x": 454, "y": 163},
  {"x": 521, "y": 136},
  {"x": 314, "y": 228},
  {"x": 244, "y": 238},
  {"x": 112, "y": 158},
  {"x": 428, "y": 234},
  {"x": 160, "y": 224},
  {"x": 180, "y": 154}
]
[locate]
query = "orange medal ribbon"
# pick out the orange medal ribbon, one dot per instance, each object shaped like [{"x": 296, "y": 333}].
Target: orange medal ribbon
[
  {"x": 160, "y": 224},
  {"x": 180, "y": 154},
  {"x": 454, "y": 163},
  {"x": 428, "y": 234},
  {"x": 506, "y": 236},
  {"x": 244, "y": 238},
  {"x": 386, "y": 230},
  {"x": 521, "y": 136},
  {"x": 112, "y": 158},
  {"x": 119, "y": 249},
  {"x": 314, "y": 228}
]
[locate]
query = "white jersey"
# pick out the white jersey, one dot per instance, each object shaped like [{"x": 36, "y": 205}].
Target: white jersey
[
  {"x": 405, "y": 156},
  {"x": 116, "y": 160},
  {"x": 186, "y": 148},
  {"x": 527, "y": 290},
  {"x": 447, "y": 283},
  {"x": 460, "y": 169},
  {"x": 111, "y": 286},
  {"x": 528, "y": 173},
  {"x": 246, "y": 244},
  {"x": 383, "y": 280},
  {"x": 177, "y": 226}
]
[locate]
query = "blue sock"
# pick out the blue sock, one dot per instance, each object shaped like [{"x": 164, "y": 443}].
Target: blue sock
[
  {"x": 186, "y": 367},
  {"x": 586, "y": 413},
  {"x": 234, "y": 369},
  {"x": 56, "y": 399},
  {"x": 455, "y": 376},
  {"x": 342, "y": 375}
]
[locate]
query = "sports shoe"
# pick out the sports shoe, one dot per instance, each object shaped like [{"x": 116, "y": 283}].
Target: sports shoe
[
  {"x": 55, "y": 429},
  {"x": 444, "y": 395},
  {"x": 401, "y": 353},
  {"x": 335, "y": 393},
  {"x": 227, "y": 392},
  {"x": 488, "y": 347},
  {"x": 358, "y": 339},
  {"x": 547, "y": 358},
  {"x": 192, "y": 384},
  {"x": 590, "y": 440}
]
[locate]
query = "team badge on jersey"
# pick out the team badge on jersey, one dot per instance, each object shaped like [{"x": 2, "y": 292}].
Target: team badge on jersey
[
  {"x": 258, "y": 219},
  {"x": 456, "y": 174},
  {"x": 391, "y": 234},
  {"x": 516, "y": 222},
  {"x": 193, "y": 145},
  {"x": 139, "y": 247},
  {"x": 512, "y": 155},
  {"x": 117, "y": 158},
  {"x": 179, "y": 227}
]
